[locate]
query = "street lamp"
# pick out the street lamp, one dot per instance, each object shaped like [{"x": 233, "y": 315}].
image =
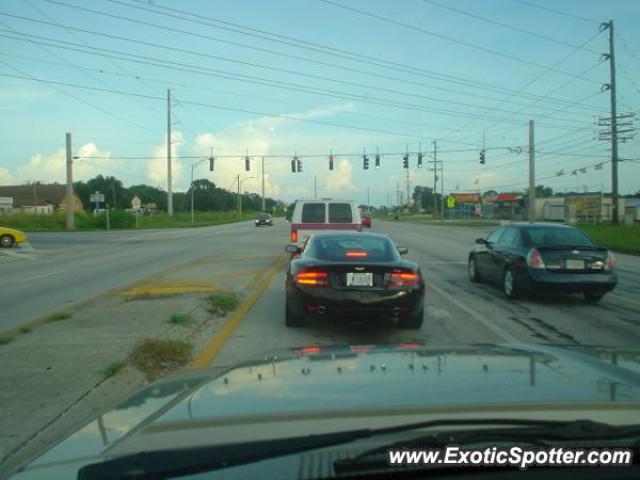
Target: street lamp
[{"x": 240, "y": 195}]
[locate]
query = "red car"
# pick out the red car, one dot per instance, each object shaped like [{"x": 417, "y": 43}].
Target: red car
[{"x": 366, "y": 221}]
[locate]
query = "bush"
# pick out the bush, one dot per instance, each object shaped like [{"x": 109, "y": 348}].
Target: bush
[{"x": 117, "y": 219}]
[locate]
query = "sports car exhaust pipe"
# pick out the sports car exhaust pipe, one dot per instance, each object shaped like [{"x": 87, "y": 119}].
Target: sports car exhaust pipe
[{"x": 321, "y": 310}]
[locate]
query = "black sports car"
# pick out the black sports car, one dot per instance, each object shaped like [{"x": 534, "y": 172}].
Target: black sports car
[
  {"x": 264, "y": 220},
  {"x": 543, "y": 256},
  {"x": 353, "y": 275}
]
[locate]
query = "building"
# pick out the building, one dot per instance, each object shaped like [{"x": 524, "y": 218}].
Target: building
[
  {"x": 589, "y": 207},
  {"x": 6, "y": 205},
  {"x": 39, "y": 198}
]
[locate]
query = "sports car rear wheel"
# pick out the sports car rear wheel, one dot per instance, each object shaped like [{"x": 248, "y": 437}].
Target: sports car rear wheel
[
  {"x": 292, "y": 320},
  {"x": 412, "y": 322}
]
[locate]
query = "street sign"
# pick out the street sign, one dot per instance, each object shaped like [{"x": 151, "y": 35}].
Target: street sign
[
  {"x": 96, "y": 197},
  {"x": 451, "y": 202}
]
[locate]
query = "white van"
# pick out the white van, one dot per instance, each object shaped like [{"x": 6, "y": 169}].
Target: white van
[{"x": 324, "y": 214}]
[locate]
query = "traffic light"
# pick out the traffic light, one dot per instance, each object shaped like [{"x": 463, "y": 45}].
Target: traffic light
[
  {"x": 365, "y": 162},
  {"x": 293, "y": 165},
  {"x": 330, "y": 162},
  {"x": 419, "y": 160},
  {"x": 247, "y": 163},
  {"x": 482, "y": 161},
  {"x": 405, "y": 161},
  {"x": 299, "y": 164},
  {"x": 377, "y": 162},
  {"x": 211, "y": 162}
]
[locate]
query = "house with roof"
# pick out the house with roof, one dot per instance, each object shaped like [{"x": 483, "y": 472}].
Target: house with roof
[{"x": 39, "y": 198}]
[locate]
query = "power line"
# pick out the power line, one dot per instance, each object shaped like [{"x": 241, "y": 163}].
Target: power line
[
  {"x": 323, "y": 49},
  {"x": 508, "y": 26},
  {"x": 146, "y": 60},
  {"x": 252, "y": 64},
  {"x": 451, "y": 39},
  {"x": 558, "y": 12}
]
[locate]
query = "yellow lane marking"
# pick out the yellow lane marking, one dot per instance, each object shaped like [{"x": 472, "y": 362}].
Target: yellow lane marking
[
  {"x": 172, "y": 288},
  {"x": 206, "y": 356}
]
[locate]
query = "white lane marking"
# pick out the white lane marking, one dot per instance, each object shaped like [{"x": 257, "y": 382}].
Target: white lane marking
[
  {"x": 476, "y": 315},
  {"x": 445, "y": 262},
  {"x": 41, "y": 276},
  {"x": 17, "y": 255},
  {"x": 618, "y": 296}
]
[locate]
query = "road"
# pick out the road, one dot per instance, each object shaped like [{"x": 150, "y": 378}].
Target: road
[{"x": 60, "y": 269}]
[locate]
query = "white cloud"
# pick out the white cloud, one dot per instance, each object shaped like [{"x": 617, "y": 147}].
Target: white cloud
[
  {"x": 6, "y": 178},
  {"x": 49, "y": 168},
  {"x": 157, "y": 168},
  {"x": 340, "y": 179}
]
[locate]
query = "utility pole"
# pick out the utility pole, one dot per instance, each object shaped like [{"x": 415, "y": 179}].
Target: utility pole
[
  {"x": 614, "y": 122},
  {"x": 315, "y": 187},
  {"x": 113, "y": 195},
  {"x": 532, "y": 175},
  {"x": 169, "y": 181},
  {"x": 442, "y": 189},
  {"x": 239, "y": 201},
  {"x": 408, "y": 190},
  {"x": 368, "y": 201},
  {"x": 435, "y": 162},
  {"x": 70, "y": 203},
  {"x": 262, "y": 170}
]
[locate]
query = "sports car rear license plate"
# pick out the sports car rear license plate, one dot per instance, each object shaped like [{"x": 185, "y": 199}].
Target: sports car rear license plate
[
  {"x": 575, "y": 264},
  {"x": 359, "y": 279}
]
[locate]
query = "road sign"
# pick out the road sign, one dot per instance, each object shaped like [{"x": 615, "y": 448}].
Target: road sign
[
  {"x": 451, "y": 202},
  {"x": 96, "y": 197}
]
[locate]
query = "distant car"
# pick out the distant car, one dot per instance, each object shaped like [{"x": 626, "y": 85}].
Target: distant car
[
  {"x": 537, "y": 257},
  {"x": 366, "y": 221},
  {"x": 353, "y": 275},
  {"x": 323, "y": 215},
  {"x": 264, "y": 220},
  {"x": 10, "y": 237}
]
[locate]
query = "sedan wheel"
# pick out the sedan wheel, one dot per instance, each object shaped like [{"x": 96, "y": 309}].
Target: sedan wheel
[
  {"x": 508, "y": 285},
  {"x": 472, "y": 269},
  {"x": 7, "y": 241}
]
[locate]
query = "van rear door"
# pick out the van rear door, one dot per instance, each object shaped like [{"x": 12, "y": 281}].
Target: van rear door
[{"x": 325, "y": 216}]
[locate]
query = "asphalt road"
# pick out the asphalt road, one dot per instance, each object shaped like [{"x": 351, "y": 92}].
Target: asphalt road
[{"x": 59, "y": 269}]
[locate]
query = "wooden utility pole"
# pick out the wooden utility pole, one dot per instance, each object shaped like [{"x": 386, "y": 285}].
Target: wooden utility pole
[{"x": 70, "y": 195}]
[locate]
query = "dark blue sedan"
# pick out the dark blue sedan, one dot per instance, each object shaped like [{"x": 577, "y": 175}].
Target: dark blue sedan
[{"x": 540, "y": 256}]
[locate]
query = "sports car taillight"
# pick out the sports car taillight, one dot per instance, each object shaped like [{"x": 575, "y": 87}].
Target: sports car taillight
[
  {"x": 611, "y": 261},
  {"x": 312, "y": 277},
  {"x": 534, "y": 259},
  {"x": 294, "y": 235},
  {"x": 404, "y": 279}
]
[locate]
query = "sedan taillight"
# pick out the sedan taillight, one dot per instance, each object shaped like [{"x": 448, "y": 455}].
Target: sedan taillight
[
  {"x": 534, "y": 259},
  {"x": 611, "y": 261},
  {"x": 312, "y": 277},
  {"x": 404, "y": 279}
]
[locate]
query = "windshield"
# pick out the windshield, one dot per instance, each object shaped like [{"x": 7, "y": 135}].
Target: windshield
[
  {"x": 551, "y": 237},
  {"x": 341, "y": 248},
  {"x": 186, "y": 186}
]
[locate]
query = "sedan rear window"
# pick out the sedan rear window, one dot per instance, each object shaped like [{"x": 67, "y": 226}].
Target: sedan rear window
[
  {"x": 340, "y": 213},
  {"x": 549, "y": 237},
  {"x": 313, "y": 213},
  {"x": 353, "y": 248}
]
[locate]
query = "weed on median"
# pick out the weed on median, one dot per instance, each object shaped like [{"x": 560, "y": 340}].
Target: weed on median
[
  {"x": 112, "y": 369},
  {"x": 155, "y": 357},
  {"x": 26, "y": 329},
  {"x": 58, "y": 316},
  {"x": 5, "y": 340},
  {"x": 221, "y": 303},
  {"x": 181, "y": 319}
]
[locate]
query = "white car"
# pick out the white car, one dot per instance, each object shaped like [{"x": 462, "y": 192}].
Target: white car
[{"x": 323, "y": 215}]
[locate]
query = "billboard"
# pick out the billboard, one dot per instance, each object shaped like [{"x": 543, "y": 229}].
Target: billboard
[{"x": 472, "y": 197}]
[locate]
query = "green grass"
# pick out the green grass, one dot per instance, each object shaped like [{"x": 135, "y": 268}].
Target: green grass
[
  {"x": 112, "y": 369},
  {"x": 155, "y": 357},
  {"x": 619, "y": 238},
  {"x": 221, "y": 303},
  {"x": 57, "y": 317},
  {"x": 181, "y": 319},
  {"x": 26, "y": 329},
  {"x": 4, "y": 340},
  {"x": 119, "y": 220}
]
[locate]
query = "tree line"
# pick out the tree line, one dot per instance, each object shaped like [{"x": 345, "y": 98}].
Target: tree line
[{"x": 206, "y": 196}]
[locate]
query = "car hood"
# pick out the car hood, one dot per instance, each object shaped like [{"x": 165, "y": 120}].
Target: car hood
[{"x": 322, "y": 382}]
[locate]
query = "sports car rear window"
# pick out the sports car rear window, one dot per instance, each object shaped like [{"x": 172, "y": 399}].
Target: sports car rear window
[
  {"x": 351, "y": 248},
  {"x": 313, "y": 213},
  {"x": 556, "y": 237},
  {"x": 340, "y": 213}
]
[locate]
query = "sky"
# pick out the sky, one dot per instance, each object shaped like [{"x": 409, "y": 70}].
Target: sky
[{"x": 283, "y": 77}]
